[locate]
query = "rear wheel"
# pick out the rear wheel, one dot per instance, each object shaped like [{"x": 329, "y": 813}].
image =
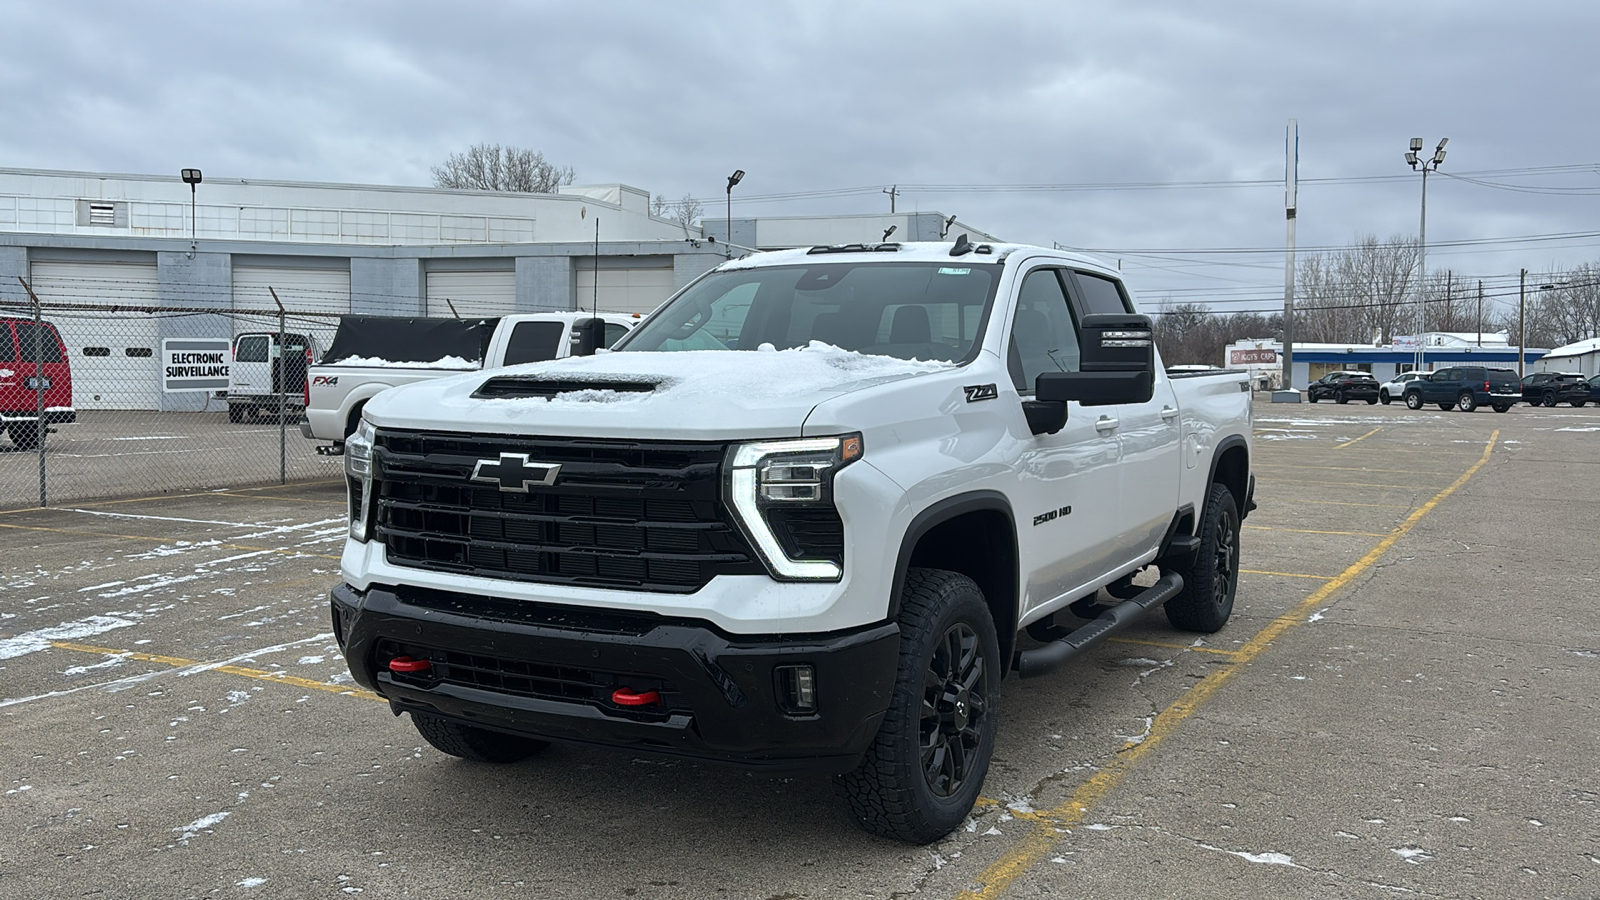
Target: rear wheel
[
  {"x": 476, "y": 744},
  {"x": 1212, "y": 576},
  {"x": 26, "y": 435},
  {"x": 1466, "y": 402},
  {"x": 1413, "y": 400},
  {"x": 1446, "y": 406},
  {"x": 1501, "y": 407},
  {"x": 1577, "y": 403},
  {"x": 921, "y": 776},
  {"x": 1371, "y": 400}
]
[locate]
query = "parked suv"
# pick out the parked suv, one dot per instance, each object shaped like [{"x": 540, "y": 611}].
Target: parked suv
[
  {"x": 1550, "y": 388},
  {"x": 1344, "y": 387},
  {"x": 1393, "y": 390},
  {"x": 1465, "y": 388},
  {"x": 1594, "y": 389},
  {"x": 35, "y": 381}
]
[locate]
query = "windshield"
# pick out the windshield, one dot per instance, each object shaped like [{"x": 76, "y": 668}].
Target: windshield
[{"x": 927, "y": 311}]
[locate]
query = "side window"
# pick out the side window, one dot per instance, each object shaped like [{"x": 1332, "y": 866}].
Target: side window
[
  {"x": 1100, "y": 295},
  {"x": 614, "y": 333},
  {"x": 251, "y": 349},
  {"x": 533, "y": 342},
  {"x": 1044, "y": 337}
]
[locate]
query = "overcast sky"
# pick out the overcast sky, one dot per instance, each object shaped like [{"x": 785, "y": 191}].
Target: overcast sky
[{"x": 1018, "y": 117}]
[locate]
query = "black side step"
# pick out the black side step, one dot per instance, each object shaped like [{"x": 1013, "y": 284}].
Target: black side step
[{"x": 1040, "y": 660}]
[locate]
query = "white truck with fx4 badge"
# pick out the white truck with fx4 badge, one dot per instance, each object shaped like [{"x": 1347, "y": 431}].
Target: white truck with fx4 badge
[{"x": 805, "y": 517}]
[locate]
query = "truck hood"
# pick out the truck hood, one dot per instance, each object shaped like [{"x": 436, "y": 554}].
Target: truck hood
[{"x": 687, "y": 395}]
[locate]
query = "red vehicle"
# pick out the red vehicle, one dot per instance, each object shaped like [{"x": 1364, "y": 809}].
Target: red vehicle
[{"x": 35, "y": 380}]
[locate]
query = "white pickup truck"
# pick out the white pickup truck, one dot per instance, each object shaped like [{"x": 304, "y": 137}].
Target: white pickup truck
[
  {"x": 806, "y": 517},
  {"x": 371, "y": 354}
]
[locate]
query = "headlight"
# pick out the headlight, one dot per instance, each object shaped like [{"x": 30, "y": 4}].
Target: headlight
[
  {"x": 358, "y": 478},
  {"x": 782, "y": 494}
]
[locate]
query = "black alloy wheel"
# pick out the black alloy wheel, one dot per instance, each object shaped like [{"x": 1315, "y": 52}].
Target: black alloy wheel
[
  {"x": 1211, "y": 574},
  {"x": 1549, "y": 398},
  {"x": 953, "y": 711}
]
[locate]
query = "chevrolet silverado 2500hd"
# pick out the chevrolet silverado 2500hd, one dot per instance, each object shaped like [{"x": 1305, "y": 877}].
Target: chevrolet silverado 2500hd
[
  {"x": 806, "y": 516},
  {"x": 371, "y": 354}
]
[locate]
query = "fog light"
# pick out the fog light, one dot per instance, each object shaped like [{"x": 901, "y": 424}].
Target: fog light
[{"x": 797, "y": 689}]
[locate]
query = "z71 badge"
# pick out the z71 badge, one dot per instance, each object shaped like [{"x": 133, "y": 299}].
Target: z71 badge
[{"x": 976, "y": 392}]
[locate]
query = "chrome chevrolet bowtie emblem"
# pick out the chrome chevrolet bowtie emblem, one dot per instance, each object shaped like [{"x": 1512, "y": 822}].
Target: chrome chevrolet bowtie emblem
[{"x": 512, "y": 472}]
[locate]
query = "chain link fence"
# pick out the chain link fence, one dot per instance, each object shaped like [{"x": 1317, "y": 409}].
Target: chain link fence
[{"x": 100, "y": 400}]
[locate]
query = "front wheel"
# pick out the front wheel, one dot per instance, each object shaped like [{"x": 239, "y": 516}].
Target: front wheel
[
  {"x": 1466, "y": 402},
  {"x": 1446, "y": 406},
  {"x": 1384, "y": 396},
  {"x": 26, "y": 435},
  {"x": 1578, "y": 403},
  {"x": 1211, "y": 577},
  {"x": 235, "y": 414},
  {"x": 1413, "y": 401},
  {"x": 1312, "y": 396},
  {"x": 471, "y": 742},
  {"x": 1371, "y": 401},
  {"x": 921, "y": 776},
  {"x": 1549, "y": 400},
  {"x": 1342, "y": 397}
]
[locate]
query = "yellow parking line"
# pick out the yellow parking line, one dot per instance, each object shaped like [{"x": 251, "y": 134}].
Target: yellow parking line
[
  {"x": 1314, "y": 531},
  {"x": 258, "y": 674},
  {"x": 163, "y": 540},
  {"x": 1346, "y": 503},
  {"x": 1362, "y": 438},
  {"x": 1286, "y": 574},
  {"x": 1037, "y": 843}
]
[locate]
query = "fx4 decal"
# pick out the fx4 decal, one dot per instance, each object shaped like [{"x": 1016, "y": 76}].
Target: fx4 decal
[
  {"x": 976, "y": 392},
  {"x": 323, "y": 379},
  {"x": 1052, "y": 515}
]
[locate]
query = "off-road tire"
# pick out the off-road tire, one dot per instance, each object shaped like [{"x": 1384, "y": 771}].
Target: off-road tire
[
  {"x": 1413, "y": 400},
  {"x": 1466, "y": 402},
  {"x": 26, "y": 435},
  {"x": 922, "y": 773},
  {"x": 1211, "y": 577},
  {"x": 476, "y": 744}
]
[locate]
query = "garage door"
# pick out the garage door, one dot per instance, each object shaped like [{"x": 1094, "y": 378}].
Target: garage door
[
  {"x": 624, "y": 290},
  {"x": 302, "y": 290},
  {"x": 114, "y": 356},
  {"x": 472, "y": 293}
]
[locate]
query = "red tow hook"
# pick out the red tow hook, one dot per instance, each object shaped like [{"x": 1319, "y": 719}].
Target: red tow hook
[
  {"x": 629, "y": 697},
  {"x": 408, "y": 665}
]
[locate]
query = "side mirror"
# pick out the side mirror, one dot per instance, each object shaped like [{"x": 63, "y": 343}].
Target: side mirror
[
  {"x": 1117, "y": 362},
  {"x": 588, "y": 335}
]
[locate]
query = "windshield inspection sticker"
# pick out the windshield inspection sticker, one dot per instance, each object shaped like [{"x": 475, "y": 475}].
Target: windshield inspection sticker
[
  {"x": 976, "y": 392},
  {"x": 949, "y": 271}
]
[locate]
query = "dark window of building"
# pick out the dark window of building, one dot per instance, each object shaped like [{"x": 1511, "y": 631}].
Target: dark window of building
[
  {"x": 97, "y": 351},
  {"x": 139, "y": 352}
]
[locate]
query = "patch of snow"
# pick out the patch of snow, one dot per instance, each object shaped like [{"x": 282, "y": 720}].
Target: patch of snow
[
  {"x": 1413, "y": 855},
  {"x": 34, "y": 641},
  {"x": 250, "y": 882},
  {"x": 443, "y": 362},
  {"x": 204, "y": 823},
  {"x": 1265, "y": 859}
]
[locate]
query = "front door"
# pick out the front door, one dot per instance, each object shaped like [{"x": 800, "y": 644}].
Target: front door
[{"x": 1066, "y": 502}]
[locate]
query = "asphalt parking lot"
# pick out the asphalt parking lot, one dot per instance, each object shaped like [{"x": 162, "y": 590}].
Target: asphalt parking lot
[{"x": 1404, "y": 705}]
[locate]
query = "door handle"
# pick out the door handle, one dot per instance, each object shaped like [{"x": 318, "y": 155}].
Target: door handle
[
  {"x": 1168, "y": 413},
  {"x": 1105, "y": 424}
]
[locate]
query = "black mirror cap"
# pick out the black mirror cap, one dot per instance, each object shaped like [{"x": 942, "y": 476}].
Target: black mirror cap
[
  {"x": 1117, "y": 342},
  {"x": 588, "y": 335},
  {"x": 1096, "y": 388}
]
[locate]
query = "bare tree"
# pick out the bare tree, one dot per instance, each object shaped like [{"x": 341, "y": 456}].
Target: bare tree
[
  {"x": 1359, "y": 295},
  {"x": 686, "y": 212},
  {"x": 660, "y": 208},
  {"x": 491, "y": 167}
]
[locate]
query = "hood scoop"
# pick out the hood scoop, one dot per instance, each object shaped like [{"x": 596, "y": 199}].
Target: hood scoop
[{"x": 511, "y": 387}]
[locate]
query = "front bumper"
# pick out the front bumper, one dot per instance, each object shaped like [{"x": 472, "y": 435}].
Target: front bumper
[
  {"x": 549, "y": 672},
  {"x": 60, "y": 415}
]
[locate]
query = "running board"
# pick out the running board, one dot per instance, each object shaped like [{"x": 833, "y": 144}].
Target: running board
[{"x": 1040, "y": 660}]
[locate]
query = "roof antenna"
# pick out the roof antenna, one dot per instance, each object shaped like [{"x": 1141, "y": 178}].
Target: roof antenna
[{"x": 962, "y": 247}]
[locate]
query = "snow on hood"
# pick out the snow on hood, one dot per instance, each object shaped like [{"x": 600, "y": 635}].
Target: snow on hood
[
  {"x": 448, "y": 362},
  {"x": 695, "y": 394}
]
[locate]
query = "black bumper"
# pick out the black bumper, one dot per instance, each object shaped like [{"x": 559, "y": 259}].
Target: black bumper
[{"x": 549, "y": 672}]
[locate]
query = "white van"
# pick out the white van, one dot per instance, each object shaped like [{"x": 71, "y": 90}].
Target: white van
[{"x": 266, "y": 376}]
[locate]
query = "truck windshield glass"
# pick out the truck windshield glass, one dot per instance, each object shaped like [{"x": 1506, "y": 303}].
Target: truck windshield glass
[{"x": 928, "y": 311}]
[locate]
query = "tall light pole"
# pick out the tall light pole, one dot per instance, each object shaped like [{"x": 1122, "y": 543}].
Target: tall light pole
[
  {"x": 1425, "y": 165},
  {"x": 191, "y": 177},
  {"x": 735, "y": 178}
]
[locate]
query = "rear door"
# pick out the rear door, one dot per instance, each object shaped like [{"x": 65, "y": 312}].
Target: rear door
[
  {"x": 251, "y": 373},
  {"x": 43, "y": 364}
]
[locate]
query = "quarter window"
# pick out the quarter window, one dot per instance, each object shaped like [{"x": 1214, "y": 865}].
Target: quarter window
[{"x": 534, "y": 342}]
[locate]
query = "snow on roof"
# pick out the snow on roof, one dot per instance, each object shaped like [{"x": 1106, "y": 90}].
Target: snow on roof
[
  {"x": 910, "y": 251},
  {"x": 1579, "y": 349}
]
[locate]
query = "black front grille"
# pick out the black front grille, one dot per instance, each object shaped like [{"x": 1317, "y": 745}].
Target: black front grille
[{"x": 624, "y": 514}]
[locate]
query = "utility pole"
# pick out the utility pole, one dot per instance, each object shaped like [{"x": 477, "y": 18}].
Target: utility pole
[
  {"x": 1291, "y": 173},
  {"x": 1522, "y": 319},
  {"x": 1479, "y": 319},
  {"x": 893, "y": 191}
]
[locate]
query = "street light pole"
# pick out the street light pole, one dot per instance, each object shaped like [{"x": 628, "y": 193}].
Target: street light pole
[
  {"x": 1422, "y": 243},
  {"x": 191, "y": 177},
  {"x": 735, "y": 178}
]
